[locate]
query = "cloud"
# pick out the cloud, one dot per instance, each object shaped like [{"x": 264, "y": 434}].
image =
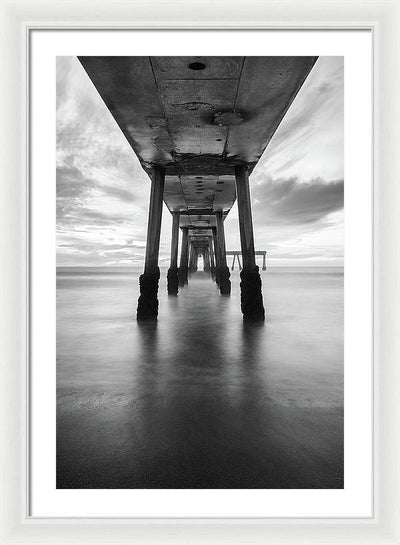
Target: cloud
[
  {"x": 71, "y": 184},
  {"x": 309, "y": 141},
  {"x": 76, "y": 194},
  {"x": 303, "y": 119},
  {"x": 118, "y": 192},
  {"x": 287, "y": 201},
  {"x": 72, "y": 190}
]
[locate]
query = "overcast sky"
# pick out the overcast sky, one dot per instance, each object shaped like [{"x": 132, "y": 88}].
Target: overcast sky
[{"x": 296, "y": 188}]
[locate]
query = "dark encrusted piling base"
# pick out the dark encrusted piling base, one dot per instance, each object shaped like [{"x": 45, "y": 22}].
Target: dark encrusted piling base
[
  {"x": 223, "y": 281},
  {"x": 172, "y": 281},
  {"x": 148, "y": 302},
  {"x": 251, "y": 295},
  {"x": 182, "y": 277}
]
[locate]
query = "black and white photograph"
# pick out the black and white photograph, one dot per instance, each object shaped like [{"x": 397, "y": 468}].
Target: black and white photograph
[{"x": 200, "y": 272}]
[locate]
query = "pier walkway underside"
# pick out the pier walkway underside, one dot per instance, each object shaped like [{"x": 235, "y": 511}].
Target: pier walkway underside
[{"x": 199, "y": 125}]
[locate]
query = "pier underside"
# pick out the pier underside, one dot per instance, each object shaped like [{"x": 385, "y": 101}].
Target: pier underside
[{"x": 199, "y": 125}]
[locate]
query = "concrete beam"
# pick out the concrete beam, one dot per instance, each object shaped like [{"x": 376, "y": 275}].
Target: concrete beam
[{"x": 202, "y": 212}]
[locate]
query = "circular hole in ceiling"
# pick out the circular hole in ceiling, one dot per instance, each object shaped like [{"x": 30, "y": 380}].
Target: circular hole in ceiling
[
  {"x": 197, "y": 66},
  {"x": 219, "y": 140}
]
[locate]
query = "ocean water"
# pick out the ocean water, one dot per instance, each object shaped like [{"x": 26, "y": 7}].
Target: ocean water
[{"x": 200, "y": 399}]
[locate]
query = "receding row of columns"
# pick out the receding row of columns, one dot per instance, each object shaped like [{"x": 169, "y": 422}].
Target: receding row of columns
[
  {"x": 202, "y": 246},
  {"x": 212, "y": 249}
]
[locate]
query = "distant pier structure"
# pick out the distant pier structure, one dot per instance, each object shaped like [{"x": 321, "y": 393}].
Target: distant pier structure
[
  {"x": 198, "y": 126},
  {"x": 237, "y": 255}
]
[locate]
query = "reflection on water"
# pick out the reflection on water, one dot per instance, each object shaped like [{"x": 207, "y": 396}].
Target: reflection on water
[{"x": 200, "y": 399}]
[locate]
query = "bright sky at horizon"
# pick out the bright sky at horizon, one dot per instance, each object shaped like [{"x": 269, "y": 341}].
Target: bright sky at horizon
[{"x": 296, "y": 188}]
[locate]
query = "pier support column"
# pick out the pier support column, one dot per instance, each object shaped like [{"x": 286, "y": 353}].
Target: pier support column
[
  {"x": 192, "y": 258},
  {"x": 172, "y": 275},
  {"x": 216, "y": 254},
  {"x": 206, "y": 258},
  {"x": 212, "y": 259},
  {"x": 223, "y": 270},
  {"x": 264, "y": 266},
  {"x": 184, "y": 262},
  {"x": 148, "y": 281},
  {"x": 195, "y": 260},
  {"x": 250, "y": 285}
]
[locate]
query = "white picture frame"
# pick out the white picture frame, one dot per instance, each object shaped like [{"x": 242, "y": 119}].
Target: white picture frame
[{"x": 18, "y": 18}]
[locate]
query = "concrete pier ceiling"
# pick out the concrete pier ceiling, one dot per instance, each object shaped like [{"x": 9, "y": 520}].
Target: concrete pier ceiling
[{"x": 198, "y": 126}]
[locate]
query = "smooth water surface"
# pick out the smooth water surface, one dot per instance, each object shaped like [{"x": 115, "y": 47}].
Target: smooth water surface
[{"x": 200, "y": 399}]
